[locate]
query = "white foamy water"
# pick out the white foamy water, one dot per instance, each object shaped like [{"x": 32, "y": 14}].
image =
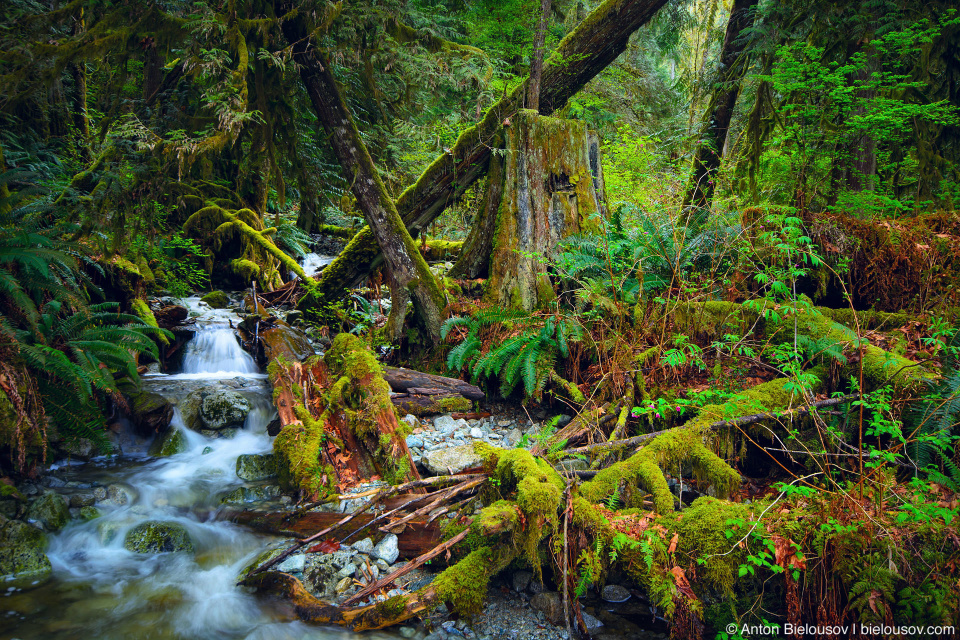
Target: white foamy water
[
  {"x": 314, "y": 262},
  {"x": 216, "y": 351}
]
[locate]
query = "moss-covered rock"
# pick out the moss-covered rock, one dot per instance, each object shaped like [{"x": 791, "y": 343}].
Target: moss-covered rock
[
  {"x": 286, "y": 341},
  {"x": 252, "y": 467},
  {"x": 150, "y": 413},
  {"x": 158, "y": 537},
  {"x": 22, "y": 559},
  {"x": 89, "y": 513},
  {"x": 171, "y": 443},
  {"x": 50, "y": 510},
  {"x": 222, "y": 409},
  {"x": 216, "y": 300}
]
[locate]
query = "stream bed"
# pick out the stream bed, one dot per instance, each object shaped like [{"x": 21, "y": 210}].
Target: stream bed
[{"x": 100, "y": 589}]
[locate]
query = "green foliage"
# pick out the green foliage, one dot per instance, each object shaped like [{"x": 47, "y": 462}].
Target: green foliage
[{"x": 529, "y": 353}]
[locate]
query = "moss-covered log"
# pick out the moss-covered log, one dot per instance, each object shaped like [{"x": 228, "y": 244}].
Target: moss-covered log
[
  {"x": 579, "y": 57},
  {"x": 338, "y": 425}
]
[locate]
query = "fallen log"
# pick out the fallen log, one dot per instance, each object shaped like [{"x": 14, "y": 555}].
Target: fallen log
[
  {"x": 410, "y": 381},
  {"x": 430, "y": 404}
]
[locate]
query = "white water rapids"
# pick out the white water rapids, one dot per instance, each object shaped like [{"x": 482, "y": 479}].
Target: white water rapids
[{"x": 101, "y": 590}]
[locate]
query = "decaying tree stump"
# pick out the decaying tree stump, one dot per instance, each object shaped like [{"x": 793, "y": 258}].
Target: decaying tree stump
[
  {"x": 551, "y": 190},
  {"x": 338, "y": 423}
]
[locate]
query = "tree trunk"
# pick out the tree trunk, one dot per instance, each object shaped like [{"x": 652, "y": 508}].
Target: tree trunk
[
  {"x": 407, "y": 270},
  {"x": 582, "y": 54},
  {"x": 548, "y": 193},
  {"x": 536, "y": 61},
  {"x": 713, "y": 136}
]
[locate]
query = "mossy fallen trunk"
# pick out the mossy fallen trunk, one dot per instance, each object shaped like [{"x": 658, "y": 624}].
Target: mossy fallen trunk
[{"x": 338, "y": 423}]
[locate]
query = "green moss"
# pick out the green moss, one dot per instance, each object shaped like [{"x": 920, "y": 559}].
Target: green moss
[
  {"x": 216, "y": 299},
  {"x": 297, "y": 449},
  {"x": 158, "y": 537},
  {"x": 464, "y": 585},
  {"x": 392, "y": 608}
]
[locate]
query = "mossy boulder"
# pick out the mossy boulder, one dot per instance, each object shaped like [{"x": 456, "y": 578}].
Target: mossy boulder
[
  {"x": 255, "y": 466},
  {"x": 158, "y": 537},
  {"x": 89, "y": 513},
  {"x": 22, "y": 559},
  {"x": 50, "y": 510},
  {"x": 216, "y": 300},
  {"x": 212, "y": 408},
  {"x": 150, "y": 413},
  {"x": 171, "y": 443}
]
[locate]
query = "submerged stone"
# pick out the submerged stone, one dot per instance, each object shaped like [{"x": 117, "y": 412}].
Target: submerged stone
[
  {"x": 158, "y": 537},
  {"x": 172, "y": 443}
]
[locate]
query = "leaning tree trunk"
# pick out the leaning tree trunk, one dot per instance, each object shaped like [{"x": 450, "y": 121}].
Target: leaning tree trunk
[
  {"x": 536, "y": 61},
  {"x": 580, "y": 56},
  {"x": 706, "y": 159},
  {"x": 549, "y": 192},
  {"x": 408, "y": 272}
]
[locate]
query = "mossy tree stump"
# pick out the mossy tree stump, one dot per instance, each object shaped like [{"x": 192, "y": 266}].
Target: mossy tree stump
[
  {"x": 550, "y": 190},
  {"x": 338, "y": 423}
]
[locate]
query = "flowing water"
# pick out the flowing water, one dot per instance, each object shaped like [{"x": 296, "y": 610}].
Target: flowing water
[{"x": 101, "y": 590}]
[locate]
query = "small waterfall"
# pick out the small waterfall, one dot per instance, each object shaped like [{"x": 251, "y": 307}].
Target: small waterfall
[
  {"x": 102, "y": 590},
  {"x": 314, "y": 263},
  {"x": 216, "y": 351}
]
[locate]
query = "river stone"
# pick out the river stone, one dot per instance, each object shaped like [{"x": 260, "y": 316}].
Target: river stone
[
  {"x": 255, "y": 466},
  {"x": 387, "y": 549},
  {"x": 345, "y": 583},
  {"x": 171, "y": 443},
  {"x": 79, "y": 448},
  {"x": 158, "y": 537},
  {"x": 447, "y": 425},
  {"x": 551, "y": 604},
  {"x": 50, "y": 510},
  {"x": 223, "y": 409},
  {"x": 591, "y": 623},
  {"x": 150, "y": 413},
  {"x": 443, "y": 462},
  {"x": 22, "y": 558},
  {"x": 89, "y": 513},
  {"x": 364, "y": 546},
  {"x": 615, "y": 593}
]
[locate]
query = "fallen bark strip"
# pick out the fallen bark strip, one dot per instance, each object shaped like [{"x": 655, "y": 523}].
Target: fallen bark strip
[
  {"x": 428, "y": 405},
  {"x": 736, "y": 422},
  {"x": 419, "y": 561},
  {"x": 581, "y": 55}
]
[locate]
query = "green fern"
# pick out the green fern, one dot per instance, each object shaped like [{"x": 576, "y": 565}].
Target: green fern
[{"x": 529, "y": 356}]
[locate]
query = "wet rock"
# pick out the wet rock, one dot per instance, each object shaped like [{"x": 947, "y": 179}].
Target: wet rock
[
  {"x": 256, "y": 466},
  {"x": 551, "y": 604},
  {"x": 158, "y": 537},
  {"x": 521, "y": 579},
  {"x": 50, "y": 510},
  {"x": 344, "y": 584},
  {"x": 451, "y": 460},
  {"x": 535, "y": 587},
  {"x": 23, "y": 562},
  {"x": 284, "y": 340},
  {"x": 223, "y": 409},
  {"x": 89, "y": 513},
  {"x": 119, "y": 495},
  {"x": 591, "y": 623},
  {"x": 216, "y": 300},
  {"x": 79, "y": 448},
  {"x": 80, "y": 500},
  {"x": 387, "y": 549},
  {"x": 206, "y": 450},
  {"x": 170, "y": 316},
  {"x": 150, "y": 413},
  {"x": 273, "y": 428},
  {"x": 257, "y": 493},
  {"x": 615, "y": 593},
  {"x": 171, "y": 443}
]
